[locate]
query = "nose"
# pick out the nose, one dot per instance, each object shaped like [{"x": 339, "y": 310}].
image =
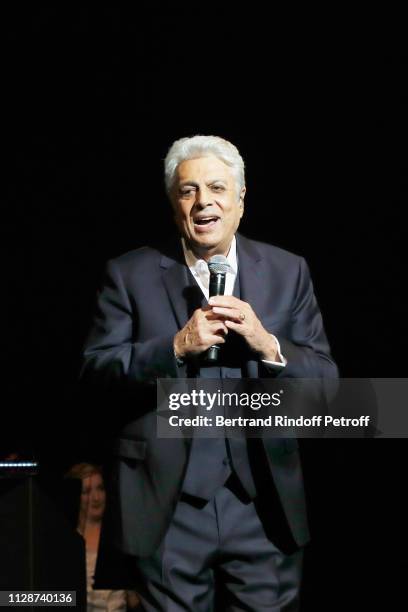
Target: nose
[
  {"x": 203, "y": 197},
  {"x": 96, "y": 496}
]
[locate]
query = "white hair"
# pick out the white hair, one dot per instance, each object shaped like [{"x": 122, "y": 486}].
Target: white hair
[{"x": 203, "y": 146}]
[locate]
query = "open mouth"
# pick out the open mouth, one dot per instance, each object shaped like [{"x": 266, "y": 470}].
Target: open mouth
[{"x": 205, "y": 223}]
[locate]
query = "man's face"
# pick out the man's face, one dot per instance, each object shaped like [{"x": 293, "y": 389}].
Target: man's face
[{"x": 206, "y": 205}]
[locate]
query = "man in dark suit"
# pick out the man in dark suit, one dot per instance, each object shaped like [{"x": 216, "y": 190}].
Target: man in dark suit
[{"x": 207, "y": 515}]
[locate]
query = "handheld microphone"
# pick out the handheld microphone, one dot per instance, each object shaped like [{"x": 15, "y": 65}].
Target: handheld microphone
[{"x": 218, "y": 266}]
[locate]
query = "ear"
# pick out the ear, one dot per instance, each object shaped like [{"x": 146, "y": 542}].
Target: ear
[{"x": 241, "y": 198}]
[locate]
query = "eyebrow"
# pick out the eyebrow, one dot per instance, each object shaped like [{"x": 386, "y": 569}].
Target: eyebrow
[{"x": 194, "y": 184}]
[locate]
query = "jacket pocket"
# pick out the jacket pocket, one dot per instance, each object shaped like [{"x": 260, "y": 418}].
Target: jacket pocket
[{"x": 130, "y": 449}]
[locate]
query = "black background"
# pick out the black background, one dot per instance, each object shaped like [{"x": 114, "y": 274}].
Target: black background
[{"x": 94, "y": 98}]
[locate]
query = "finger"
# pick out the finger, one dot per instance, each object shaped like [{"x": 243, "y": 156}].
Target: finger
[
  {"x": 237, "y": 327},
  {"x": 217, "y": 325},
  {"x": 226, "y": 300},
  {"x": 214, "y": 339},
  {"x": 209, "y": 315},
  {"x": 212, "y": 316},
  {"x": 204, "y": 313},
  {"x": 230, "y": 313}
]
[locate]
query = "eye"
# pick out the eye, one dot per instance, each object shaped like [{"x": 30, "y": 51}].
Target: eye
[
  {"x": 186, "y": 191},
  {"x": 218, "y": 188}
]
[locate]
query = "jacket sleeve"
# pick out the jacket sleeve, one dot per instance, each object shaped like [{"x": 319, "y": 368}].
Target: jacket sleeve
[
  {"x": 306, "y": 348},
  {"x": 111, "y": 355}
]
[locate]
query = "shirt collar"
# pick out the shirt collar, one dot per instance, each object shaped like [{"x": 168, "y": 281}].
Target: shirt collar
[{"x": 198, "y": 264}]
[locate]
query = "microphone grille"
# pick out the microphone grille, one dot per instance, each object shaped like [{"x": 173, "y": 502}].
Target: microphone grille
[{"x": 218, "y": 264}]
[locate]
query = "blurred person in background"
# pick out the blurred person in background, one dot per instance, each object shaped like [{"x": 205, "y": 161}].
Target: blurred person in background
[{"x": 91, "y": 510}]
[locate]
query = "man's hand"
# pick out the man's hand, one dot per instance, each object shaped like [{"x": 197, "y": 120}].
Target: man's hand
[
  {"x": 199, "y": 333},
  {"x": 240, "y": 317}
]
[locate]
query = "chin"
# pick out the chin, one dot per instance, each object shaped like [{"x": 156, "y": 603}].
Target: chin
[
  {"x": 206, "y": 246},
  {"x": 207, "y": 241},
  {"x": 97, "y": 514}
]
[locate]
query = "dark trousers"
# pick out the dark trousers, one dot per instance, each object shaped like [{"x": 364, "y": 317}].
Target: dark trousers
[{"x": 216, "y": 556}]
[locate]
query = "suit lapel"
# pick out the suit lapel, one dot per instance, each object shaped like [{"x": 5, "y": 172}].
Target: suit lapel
[
  {"x": 176, "y": 282},
  {"x": 252, "y": 284},
  {"x": 250, "y": 275}
]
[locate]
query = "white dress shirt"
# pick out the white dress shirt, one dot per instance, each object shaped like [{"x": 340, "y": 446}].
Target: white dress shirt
[{"x": 199, "y": 269}]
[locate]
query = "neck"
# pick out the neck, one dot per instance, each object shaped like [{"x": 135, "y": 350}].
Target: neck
[
  {"x": 206, "y": 254},
  {"x": 86, "y": 523}
]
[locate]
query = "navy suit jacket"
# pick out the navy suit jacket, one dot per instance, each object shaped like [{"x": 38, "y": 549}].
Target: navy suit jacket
[{"x": 143, "y": 303}]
